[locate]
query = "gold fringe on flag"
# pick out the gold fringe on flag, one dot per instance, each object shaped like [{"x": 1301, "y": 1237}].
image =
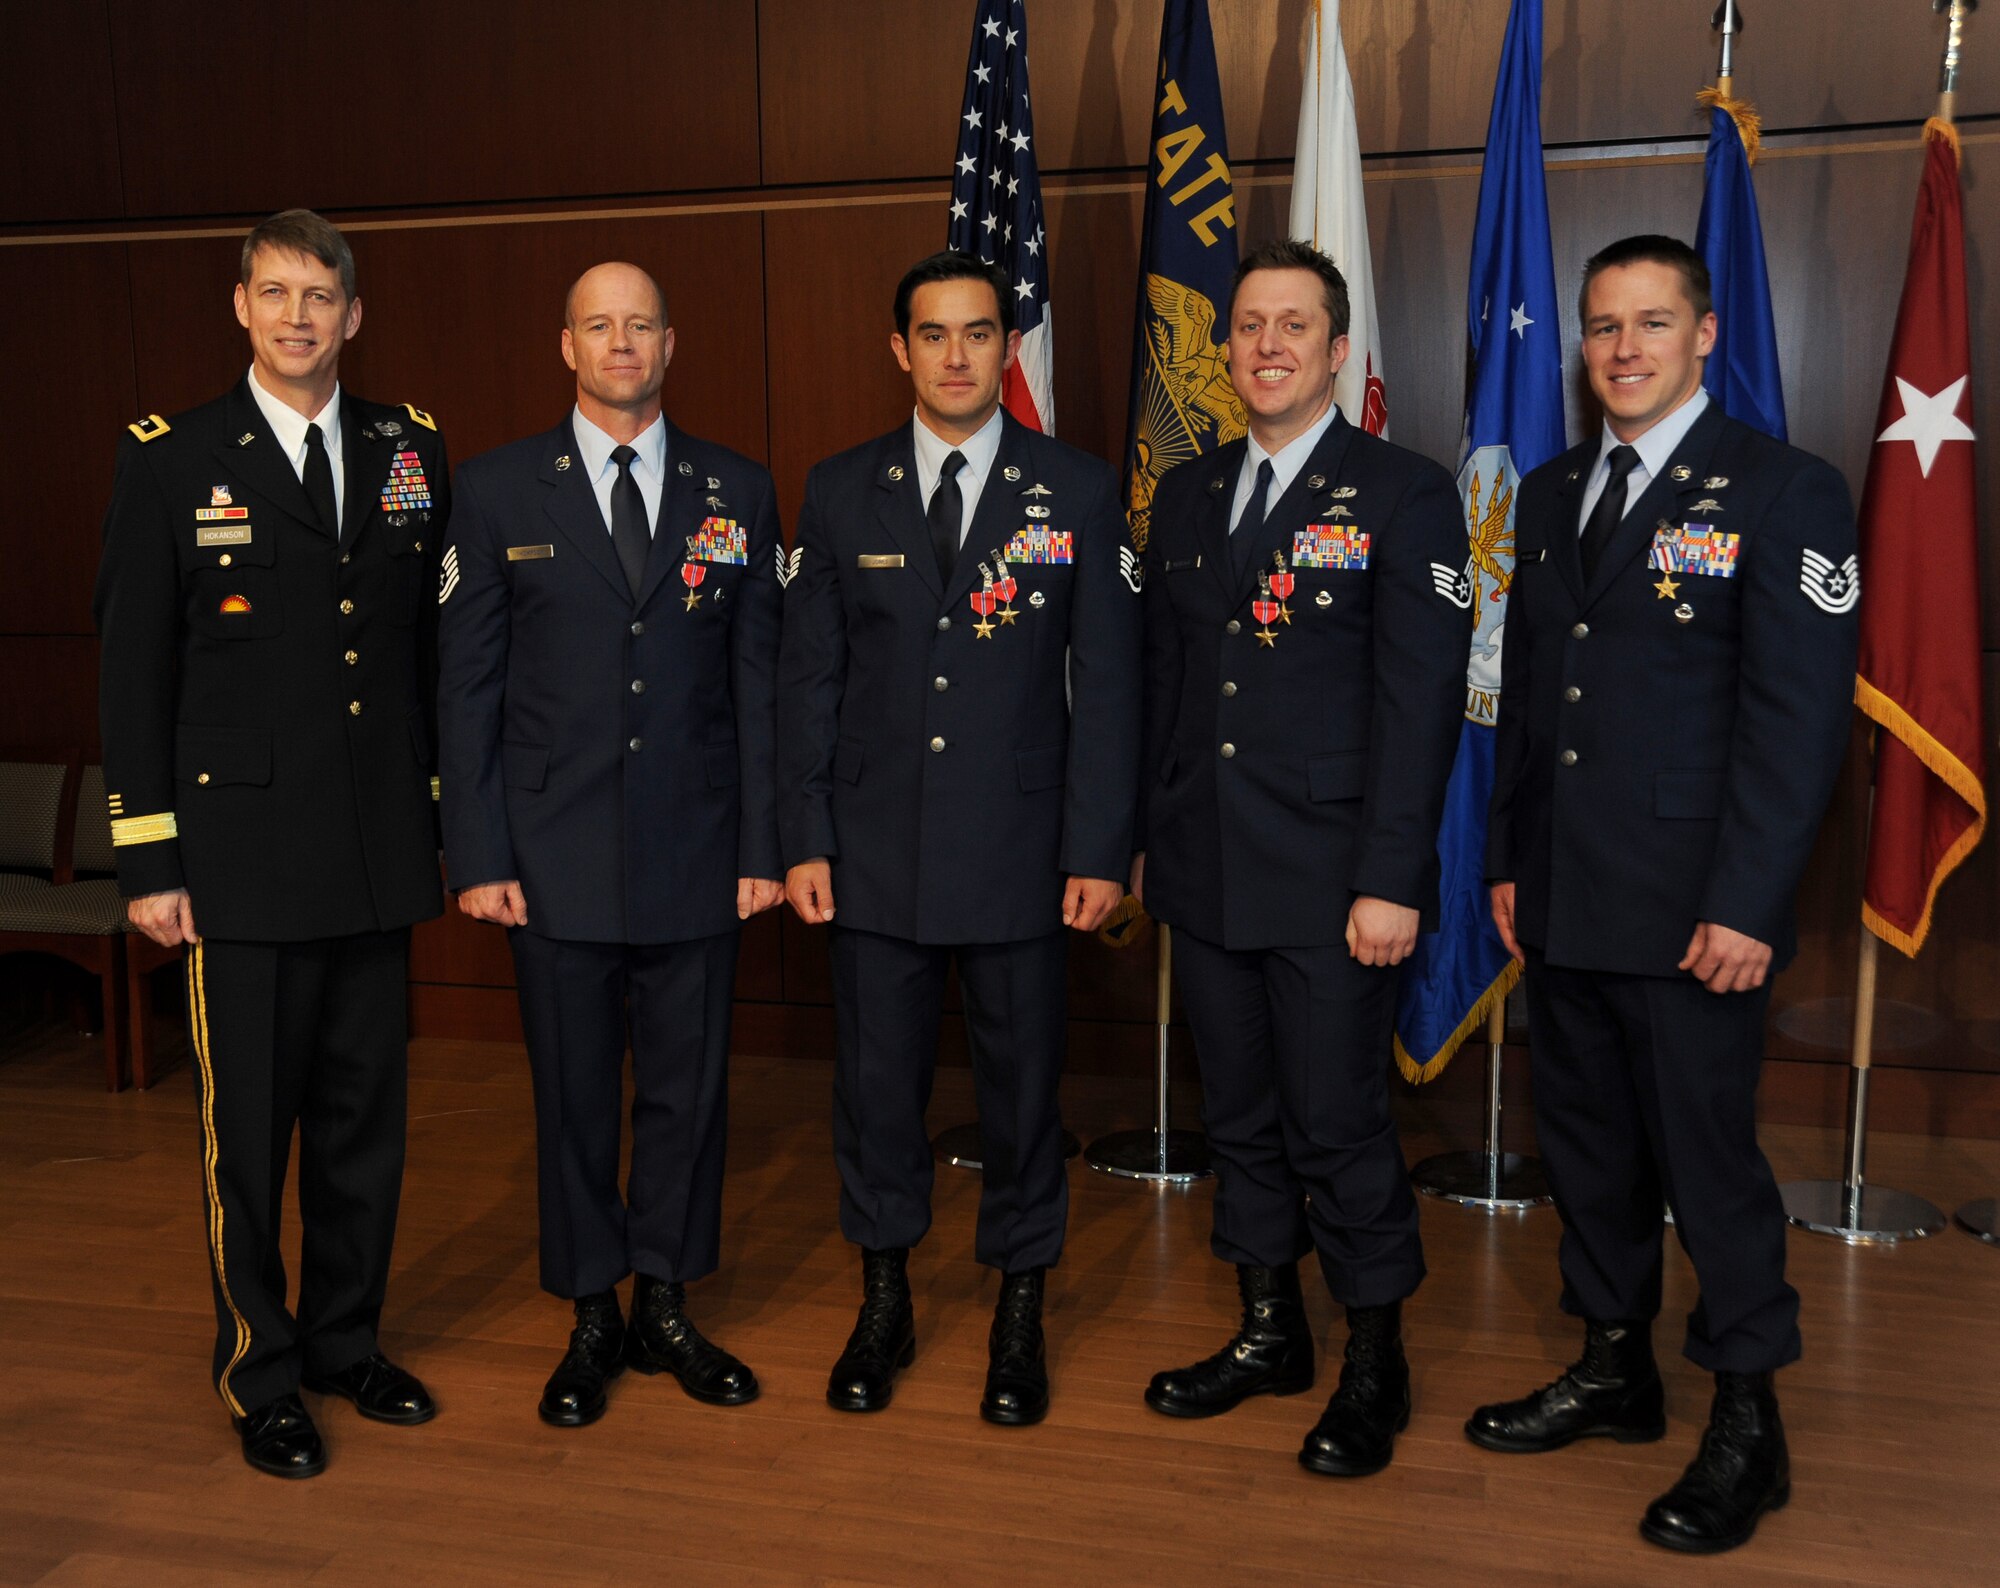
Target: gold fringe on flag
[
  {"x": 1125, "y": 925},
  {"x": 1937, "y": 129},
  {"x": 1749, "y": 125},
  {"x": 1475, "y": 1019}
]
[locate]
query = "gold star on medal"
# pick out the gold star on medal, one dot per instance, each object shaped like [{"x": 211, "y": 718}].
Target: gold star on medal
[
  {"x": 1266, "y": 636},
  {"x": 983, "y": 629},
  {"x": 693, "y": 600},
  {"x": 1668, "y": 587},
  {"x": 1284, "y": 613},
  {"x": 1008, "y": 614}
]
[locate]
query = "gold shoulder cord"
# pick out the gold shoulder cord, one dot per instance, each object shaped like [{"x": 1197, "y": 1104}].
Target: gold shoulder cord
[{"x": 198, "y": 1029}]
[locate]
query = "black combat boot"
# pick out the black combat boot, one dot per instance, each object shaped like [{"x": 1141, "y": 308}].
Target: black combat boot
[
  {"x": 1017, "y": 1371},
  {"x": 1613, "y": 1391},
  {"x": 884, "y": 1340},
  {"x": 1740, "y": 1471},
  {"x": 575, "y": 1391},
  {"x": 1356, "y": 1434},
  {"x": 1271, "y": 1354},
  {"x": 663, "y": 1339}
]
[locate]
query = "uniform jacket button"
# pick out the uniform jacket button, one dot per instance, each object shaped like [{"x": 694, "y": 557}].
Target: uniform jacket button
[
  {"x": 1580, "y": 632},
  {"x": 347, "y": 609},
  {"x": 1232, "y": 627},
  {"x": 943, "y": 624},
  {"x": 1229, "y": 689},
  {"x": 1572, "y": 694},
  {"x": 937, "y": 744},
  {"x": 1228, "y": 752},
  {"x": 1568, "y": 758},
  {"x": 354, "y": 708}
]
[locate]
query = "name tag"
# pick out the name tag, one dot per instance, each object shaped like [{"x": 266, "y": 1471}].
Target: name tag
[
  {"x": 879, "y": 559},
  {"x": 529, "y": 553},
  {"x": 1177, "y": 564},
  {"x": 222, "y": 535}
]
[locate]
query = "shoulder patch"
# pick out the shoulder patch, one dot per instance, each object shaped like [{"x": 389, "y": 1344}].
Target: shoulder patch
[
  {"x": 420, "y": 416},
  {"x": 151, "y": 428}
]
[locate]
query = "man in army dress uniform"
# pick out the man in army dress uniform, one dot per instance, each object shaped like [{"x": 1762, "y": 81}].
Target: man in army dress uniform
[
  {"x": 1676, "y": 704},
  {"x": 268, "y": 662},
  {"x": 958, "y": 745},
  {"x": 609, "y": 629}
]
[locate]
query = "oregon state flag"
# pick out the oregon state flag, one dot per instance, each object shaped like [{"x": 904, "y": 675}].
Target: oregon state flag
[
  {"x": 1513, "y": 422},
  {"x": 1182, "y": 402}
]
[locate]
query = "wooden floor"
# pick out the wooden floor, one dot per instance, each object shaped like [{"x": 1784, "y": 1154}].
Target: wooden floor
[{"x": 117, "y": 1465}]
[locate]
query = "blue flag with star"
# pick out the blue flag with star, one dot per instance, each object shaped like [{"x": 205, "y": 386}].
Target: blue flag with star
[
  {"x": 1742, "y": 370},
  {"x": 1513, "y": 422}
]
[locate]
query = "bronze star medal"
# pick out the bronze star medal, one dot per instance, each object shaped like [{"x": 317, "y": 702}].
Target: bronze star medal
[
  {"x": 1282, "y": 584},
  {"x": 1004, "y": 587},
  {"x": 1668, "y": 587},
  {"x": 984, "y": 600},
  {"x": 1266, "y": 611}
]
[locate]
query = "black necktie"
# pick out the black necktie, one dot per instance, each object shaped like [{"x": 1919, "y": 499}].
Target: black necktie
[
  {"x": 947, "y": 510},
  {"x": 1255, "y": 511},
  {"x": 319, "y": 481},
  {"x": 628, "y": 520},
  {"x": 1610, "y": 509}
]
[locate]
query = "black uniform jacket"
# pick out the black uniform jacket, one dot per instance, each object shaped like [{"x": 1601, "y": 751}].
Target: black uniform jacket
[
  {"x": 1284, "y": 779},
  {"x": 266, "y": 690},
  {"x": 955, "y": 777},
  {"x": 1668, "y": 741},
  {"x": 613, "y": 755}
]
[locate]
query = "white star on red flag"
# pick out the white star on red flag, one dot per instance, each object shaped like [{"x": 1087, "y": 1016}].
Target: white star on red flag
[{"x": 1929, "y": 421}]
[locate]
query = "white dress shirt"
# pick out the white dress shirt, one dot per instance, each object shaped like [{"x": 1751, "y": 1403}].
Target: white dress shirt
[
  {"x": 1285, "y": 464},
  {"x": 980, "y": 449},
  {"x": 649, "y": 468},
  {"x": 1655, "y": 447},
  {"x": 288, "y": 429}
]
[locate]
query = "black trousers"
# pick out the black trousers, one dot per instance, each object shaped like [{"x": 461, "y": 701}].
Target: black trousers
[
  {"x": 315, "y": 1036},
  {"x": 888, "y": 1003},
  {"x": 1294, "y": 1049},
  {"x": 1646, "y": 1092},
  {"x": 578, "y": 1001}
]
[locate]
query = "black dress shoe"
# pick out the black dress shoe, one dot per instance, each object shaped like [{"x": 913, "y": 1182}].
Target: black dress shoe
[
  {"x": 380, "y": 1390},
  {"x": 574, "y": 1394},
  {"x": 1017, "y": 1369},
  {"x": 884, "y": 1340},
  {"x": 662, "y": 1339},
  {"x": 1740, "y": 1471},
  {"x": 1614, "y": 1391},
  {"x": 279, "y": 1438},
  {"x": 1356, "y": 1434},
  {"x": 1271, "y": 1354}
]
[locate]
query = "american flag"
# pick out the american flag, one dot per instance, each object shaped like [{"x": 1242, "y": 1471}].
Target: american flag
[{"x": 996, "y": 197}]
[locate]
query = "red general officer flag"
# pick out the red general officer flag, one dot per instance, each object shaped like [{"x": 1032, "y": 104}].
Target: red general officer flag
[{"x": 1919, "y": 671}]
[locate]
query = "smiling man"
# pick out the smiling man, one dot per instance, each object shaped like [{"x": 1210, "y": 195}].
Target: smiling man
[
  {"x": 1677, "y": 677},
  {"x": 1306, "y": 639},
  {"x": 959, "y": 737},
  {"x": 609, "y": 634},
  {"x": 268, "y": 663}
]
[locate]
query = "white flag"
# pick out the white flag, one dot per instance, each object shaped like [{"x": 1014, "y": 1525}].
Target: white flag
[{"x": 1328, "y": 212}]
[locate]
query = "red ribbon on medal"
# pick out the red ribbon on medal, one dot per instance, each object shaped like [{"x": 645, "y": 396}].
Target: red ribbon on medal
[
  {"x": 692, "y": 573},
  {"x": 1005, "y": 588},
  {"x": 984, "y": 601},
  {"x": 1266, "y": 611},
  {"x": 1283, "y": 582}
]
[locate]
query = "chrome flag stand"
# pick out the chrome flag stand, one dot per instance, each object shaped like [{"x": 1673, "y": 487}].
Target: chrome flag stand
[
  {"x": 1492, "y": 1180},
  {"x": 1161, "y": 1155}
]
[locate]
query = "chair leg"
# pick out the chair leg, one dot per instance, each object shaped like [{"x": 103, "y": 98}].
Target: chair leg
[
  {"x": 139, "y": 1019},
  {"x": 111, "y": 988}
]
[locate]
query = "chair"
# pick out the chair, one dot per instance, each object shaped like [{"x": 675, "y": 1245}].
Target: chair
[
  {"x": 93, "y": 854},
  {"x": 82, "y": 923}
]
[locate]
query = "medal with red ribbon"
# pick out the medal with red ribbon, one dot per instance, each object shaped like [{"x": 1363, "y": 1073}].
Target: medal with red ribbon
[
  {"x": 984, "y": 600},
  {"x": 1004, "y": 587},
  {"x": 1266, "y": 610},
  {"x": 1283, "y": 582},
  {"x": 692, "y": 574}
]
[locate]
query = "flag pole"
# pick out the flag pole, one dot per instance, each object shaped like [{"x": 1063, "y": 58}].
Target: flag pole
[
  {"x": 1728, "y": 21},
  {"x": 1849, "y": 1208},
  {"x": 1491, "y": 1180},
  {"x": 1162, "y": 1155}
]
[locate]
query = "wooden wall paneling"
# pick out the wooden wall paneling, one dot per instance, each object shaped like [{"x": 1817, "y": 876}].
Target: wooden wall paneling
[
  {"x": 456, "y": 951},
  {"x": 186, "y": 345},
  {"x": 50, "y": 696},
  {"x": 66, "y": 345},
  {"x": 1094, "y": 284},
  {"x": 59, "y": 141}
]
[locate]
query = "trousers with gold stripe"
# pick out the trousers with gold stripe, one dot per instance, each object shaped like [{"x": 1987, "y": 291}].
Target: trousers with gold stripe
[{"x": 312, "y": 1037}]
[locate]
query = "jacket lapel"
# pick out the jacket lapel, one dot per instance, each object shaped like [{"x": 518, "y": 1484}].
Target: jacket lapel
[
  {"x": 900, "y": 506},
  {"x": 364, "y": 466},
  {"x": 1211, "y": 518},
  {"x": 252, "y": 455},
  {"x": 1294, "y": 507},
  {"x": 1565, "y": 547},
  {"x": 572, "y": 505},
  {"x": 1657, "y": 502}
]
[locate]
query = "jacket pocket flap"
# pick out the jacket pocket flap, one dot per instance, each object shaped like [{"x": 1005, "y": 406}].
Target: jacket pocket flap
[
  {"x": 1687, "y": 794},
  {"x": 524, "y": 765},
  {"x": 1337, "y": 777},
  {"x": 1042, "y": 768},
  {"x": 222, "y": 755},
  {"x": 847, "y": 760}
]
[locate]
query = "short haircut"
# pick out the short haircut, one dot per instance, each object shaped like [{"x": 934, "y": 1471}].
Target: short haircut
[
  {"x": 953, "y": 266},
  {"x": 1287, "y": 253},
  {"x": 569, "y": 297},
  {"x": 302, "y": 232},
  {"x": 1650, "y": 248}
]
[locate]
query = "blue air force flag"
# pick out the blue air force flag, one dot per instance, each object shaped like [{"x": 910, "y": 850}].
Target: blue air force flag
[
  {"x": 1513, "y": 422},
  {"x": 1742, "y": 371},
  {"x": 1182, "y": 403}
]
